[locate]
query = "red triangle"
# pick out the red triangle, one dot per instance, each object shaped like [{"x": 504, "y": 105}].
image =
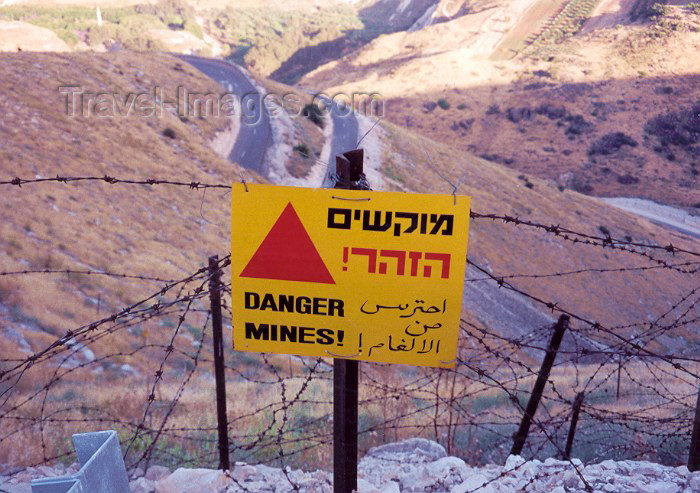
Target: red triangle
[{"x": 288, "y": 254}]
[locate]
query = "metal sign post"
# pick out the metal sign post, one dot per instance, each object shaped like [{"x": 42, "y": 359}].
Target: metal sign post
[
  {"x": 350, "y": 176},
  {"x": 349, "y": 274}
]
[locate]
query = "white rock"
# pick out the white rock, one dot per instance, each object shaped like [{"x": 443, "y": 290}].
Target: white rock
[
  {"x": 647, "y": 469},
  {"x": 474, "y": 482},
  {"x": 530, "y": 469},
  {"x": 417, "y": 480},
  {"x": 411, "y": 466},
  {"x": 445, "y": 467},
  {"x": 661, "y": 487},
  {"x": 514, "y": 462},
  {"x": 610, "y": 465},
  {"x": 551, "y": 461},
  {"x": 694, "y": 482},
  {"x": 571, "y": 479},
  {"x": 193, "y": 481},
  {"x": 244, "y": 471},
  {"x": 390, "y": 487},
  {"x": 414, "y": 448},
  {"x": 142, "y": 485},
  {"x": 47, "y": 472},
  {"x": 156, "y": 473},
  {"x": 365, "y": 486}
]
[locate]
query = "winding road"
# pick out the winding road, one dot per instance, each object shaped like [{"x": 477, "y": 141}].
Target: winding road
[
  {"x": 345, "y": 135},
  {"x": 255, "y": 135}
]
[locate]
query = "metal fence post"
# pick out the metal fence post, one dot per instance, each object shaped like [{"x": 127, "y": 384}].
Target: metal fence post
[
  {"x": 542, "y": 377},
  {"x": 219, "y": 367},
  {"x": 572, "y": 428},
  {"x": 694, "y": 455},
  {"x": 348, "y": 175}
]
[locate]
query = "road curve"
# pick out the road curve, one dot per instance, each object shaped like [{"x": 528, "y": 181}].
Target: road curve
[
  {"x": 345, "y": 129},
  {"x": 255, "y": 134},
  {"x": 665, "y": 215}
]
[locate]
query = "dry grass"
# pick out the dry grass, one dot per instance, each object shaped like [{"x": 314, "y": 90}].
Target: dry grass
[
  {"x": 160, "y": 232},
  {"x": 167, "y": 232},
  {"x": 462, "y": 412},
  {"x": 413, "y": 163},
  {"x": 616, "y": 79},
  {"x": 303, "y": 131}
]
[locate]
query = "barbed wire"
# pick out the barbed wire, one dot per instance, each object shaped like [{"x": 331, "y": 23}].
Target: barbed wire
[
  {"x": 153, "y": 357},
  {"x": 85, "y": 272},
  {"x": 112, "y": 180}
]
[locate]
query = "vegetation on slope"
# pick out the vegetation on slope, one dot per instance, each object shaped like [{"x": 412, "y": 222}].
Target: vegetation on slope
[
  {"x": 157, "y": 232},
  {"x": 128, "y": 26}
]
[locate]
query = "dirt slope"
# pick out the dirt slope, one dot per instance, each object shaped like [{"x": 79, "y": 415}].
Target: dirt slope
[
  {"x": 411, "y": 162},
  {"x": 150, "y": 231},
  {"x": 589, "y": 114},
  {"x": 20, "y": 36}
]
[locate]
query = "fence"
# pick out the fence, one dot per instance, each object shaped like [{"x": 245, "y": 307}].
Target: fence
[{"x": 146, "y": 371}]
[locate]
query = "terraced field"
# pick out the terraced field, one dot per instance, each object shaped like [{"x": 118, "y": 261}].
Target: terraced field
[
  {"x": 567, "y": 22},
  {"x": 545, "y": 22},
  {"x": 531, "y": 25}
]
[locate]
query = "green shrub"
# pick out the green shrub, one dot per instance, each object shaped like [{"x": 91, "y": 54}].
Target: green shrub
[
  {"x": 313, "y": 113},
  {"x": 303, "y": 150},
  {"x": 191, "y": 26},
  {"x": 442, "y": 103},
  {"x": 659, "y": 10}
]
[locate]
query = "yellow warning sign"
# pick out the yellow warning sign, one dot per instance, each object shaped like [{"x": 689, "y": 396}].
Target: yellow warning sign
[{"x": 374, "y": 276}]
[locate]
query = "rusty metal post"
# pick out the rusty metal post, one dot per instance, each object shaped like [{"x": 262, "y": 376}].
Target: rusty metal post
[
  {"x": 542, "y": 377},
  {"x": 348, "y": 175},
  {"x": 572, "y": 428},
  {"x": 219, "y": 372},
  {"x": 694, "y": 455},
  {"x": 619, "y": 373}
]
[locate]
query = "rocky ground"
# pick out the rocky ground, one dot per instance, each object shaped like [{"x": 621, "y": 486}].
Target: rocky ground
[{"x": 414, "y": 465}]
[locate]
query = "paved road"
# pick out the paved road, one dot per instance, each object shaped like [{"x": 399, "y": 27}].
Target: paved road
[
  {"x": 664, "y": 215},
  {"x": 345, "y": 130},
  {"x": 255, "y": 133}
]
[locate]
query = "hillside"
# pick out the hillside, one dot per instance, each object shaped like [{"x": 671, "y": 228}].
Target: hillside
[
  {"x": 155, "y": 231},
  {"x": 272, "y": 38},
  {"x": 409, "y": 162},
  {"x": 593, "y": 113},
  {"x": 530, "y": 139}
]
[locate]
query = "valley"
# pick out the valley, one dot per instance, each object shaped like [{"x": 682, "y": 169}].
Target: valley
[{"x": 573, "y": 126}]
